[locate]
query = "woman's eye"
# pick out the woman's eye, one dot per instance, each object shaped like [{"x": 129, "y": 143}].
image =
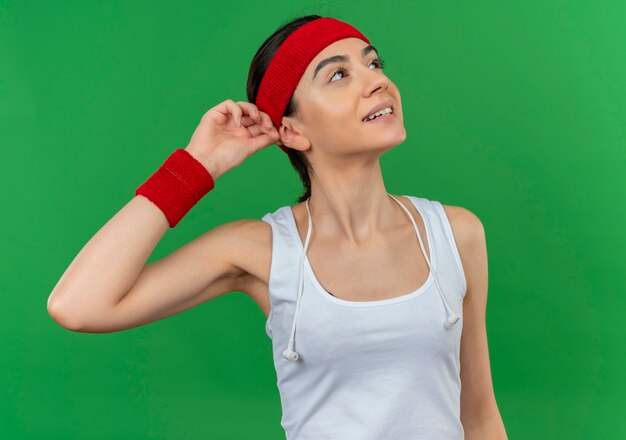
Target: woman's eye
[
  {"x": 378, "y": 61},
  {"x": 339, "y": 70}
]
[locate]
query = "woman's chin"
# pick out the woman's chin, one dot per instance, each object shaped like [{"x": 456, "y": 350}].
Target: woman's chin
[{"x": 391, "y": 137}]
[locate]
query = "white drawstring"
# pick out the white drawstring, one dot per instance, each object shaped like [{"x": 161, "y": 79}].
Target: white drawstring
[
  {"x": 290, "y": 353},
  {"x": 453, "y": 317}
]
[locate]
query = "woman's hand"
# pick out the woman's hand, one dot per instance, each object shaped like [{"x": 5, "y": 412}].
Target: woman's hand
[{"x": 229, "y": 133}]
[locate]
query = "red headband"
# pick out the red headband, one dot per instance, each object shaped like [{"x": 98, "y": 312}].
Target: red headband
[{"x": 291, "y": 60}]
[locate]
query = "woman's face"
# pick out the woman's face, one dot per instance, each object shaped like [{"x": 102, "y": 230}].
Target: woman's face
[{"x": 334, "y": 97}]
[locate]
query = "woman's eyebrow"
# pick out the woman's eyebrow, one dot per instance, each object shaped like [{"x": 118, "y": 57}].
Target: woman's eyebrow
[{"x": 335, "y": 58}]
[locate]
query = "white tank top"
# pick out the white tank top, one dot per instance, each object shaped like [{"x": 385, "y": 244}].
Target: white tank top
[{"x": 367, "y": 370}]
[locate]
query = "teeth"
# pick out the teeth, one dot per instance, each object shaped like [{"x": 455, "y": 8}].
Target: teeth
[{"x": 382, "y": 112}]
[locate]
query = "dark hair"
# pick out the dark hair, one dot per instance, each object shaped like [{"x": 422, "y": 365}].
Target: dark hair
[{"x": 258, "y": 66}]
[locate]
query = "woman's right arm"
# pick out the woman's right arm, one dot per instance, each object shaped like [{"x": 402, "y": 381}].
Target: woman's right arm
[{"x": 108, "y": 287}]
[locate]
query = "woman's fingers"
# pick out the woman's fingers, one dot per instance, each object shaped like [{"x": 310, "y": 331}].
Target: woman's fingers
[
  {"x": 255, "y": 128},
  {"x": 266, "y": 119},
  {"x": 243, "y": 113},
  {"x": 247, "y": 121},
  {"x": 250, "y": 109},
  {"x": 230, "y": 109},
  {"x": 257, "y": 115},
  {"x": 271, "y": 132}
]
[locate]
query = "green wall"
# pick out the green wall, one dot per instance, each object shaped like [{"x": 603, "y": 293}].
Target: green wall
[{"x": 514, "y": 110}]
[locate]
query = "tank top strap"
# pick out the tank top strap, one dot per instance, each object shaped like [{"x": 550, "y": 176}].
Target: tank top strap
[
  {"x": 447, "y": 256},
  {"x": 284, "y": 266}
]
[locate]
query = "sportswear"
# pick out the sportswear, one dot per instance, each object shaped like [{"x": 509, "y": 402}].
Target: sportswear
[
  {"x": 367, "y": 370},
  {"x": 179, "y": 183}
]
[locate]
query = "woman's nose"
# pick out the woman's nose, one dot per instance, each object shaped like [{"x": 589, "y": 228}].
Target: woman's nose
[{"x": 375, "y": 81}]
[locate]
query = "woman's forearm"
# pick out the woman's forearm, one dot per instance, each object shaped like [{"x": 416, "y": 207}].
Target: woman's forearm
[{"x": 491, "y": 428}]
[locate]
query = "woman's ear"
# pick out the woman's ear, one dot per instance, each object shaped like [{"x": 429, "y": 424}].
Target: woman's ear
[{"x": 290, "y": 135}]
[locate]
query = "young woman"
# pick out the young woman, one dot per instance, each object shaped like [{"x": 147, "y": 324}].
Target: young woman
[{"x": 375, "y": 302}]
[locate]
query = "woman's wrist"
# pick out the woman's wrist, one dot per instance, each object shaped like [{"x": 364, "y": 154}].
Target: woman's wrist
[
  {"x": 212, "y": 166},
  {"x": 177, "y": 185}
]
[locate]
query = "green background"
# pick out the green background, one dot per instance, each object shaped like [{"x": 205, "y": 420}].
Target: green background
[{"x": 514, "y": 110}]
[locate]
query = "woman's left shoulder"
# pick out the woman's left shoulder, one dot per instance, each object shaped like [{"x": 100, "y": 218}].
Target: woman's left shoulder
[
  {"x": 466, "y": 225},
  {"x": 469, "y": 235}
]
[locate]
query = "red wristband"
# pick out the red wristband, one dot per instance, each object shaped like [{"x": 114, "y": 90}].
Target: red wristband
[{"x": 177, "y": 185}]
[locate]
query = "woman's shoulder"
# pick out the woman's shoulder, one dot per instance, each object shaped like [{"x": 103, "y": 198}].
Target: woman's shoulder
[
  {"x": 466, "y": 226},
  {"x": 457, "y": 213},
  {"x": 468, "y": 232},
  {"x": 252, "y": 233},
  {"x": 463, "y": 220},
  {"x": 250, "y": 244}
]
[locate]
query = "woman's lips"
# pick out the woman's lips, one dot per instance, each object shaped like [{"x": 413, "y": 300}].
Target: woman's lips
[{"x": 388, "y": 117}]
